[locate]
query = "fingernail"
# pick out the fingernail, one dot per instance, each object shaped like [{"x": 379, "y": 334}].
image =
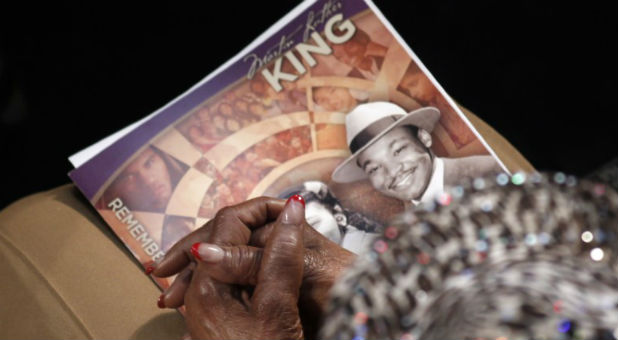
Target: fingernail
[
  {"x": 297, "y": 198},
  {"x": 160, "y": 302},
  {"x": 150, "y": 267},
  {"x": 194, "y": 251},
  {"x": 207, "y": 252},
  {"x": 294, "y": 210}
]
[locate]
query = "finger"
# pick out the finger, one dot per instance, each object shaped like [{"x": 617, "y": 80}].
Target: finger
[
  {"x": 173, "y": 297},
  {"x": 230, "y": 264},
  {"x": 261, "y": 235},
  {"x": 232, "y": 225},
  {"x": 311, "y": 237},
  {"x": 179, "y": 256},
  {"x": 281, "y": 271}
]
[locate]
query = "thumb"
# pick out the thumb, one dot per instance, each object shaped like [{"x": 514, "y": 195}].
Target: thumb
[
  {"x": 230, "y": 264},
  {"x": 281, "y": 268}
]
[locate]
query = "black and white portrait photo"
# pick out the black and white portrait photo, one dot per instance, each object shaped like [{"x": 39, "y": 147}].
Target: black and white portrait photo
[
  {"x": 325, "y": 213},
  {"x": 393, "y": 150}
]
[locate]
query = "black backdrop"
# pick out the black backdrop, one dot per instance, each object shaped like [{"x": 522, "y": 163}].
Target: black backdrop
[{"x": 542, "y": 74}]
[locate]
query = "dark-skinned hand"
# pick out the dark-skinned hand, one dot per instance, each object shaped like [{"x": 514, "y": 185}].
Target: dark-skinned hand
[
  {"x": 217, "y": 310},
  {"x": 242, "y": 231}
]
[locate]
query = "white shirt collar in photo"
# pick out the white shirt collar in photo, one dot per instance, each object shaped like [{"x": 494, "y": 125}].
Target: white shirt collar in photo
[
  {"x": 436, "y": 183},
  {"x": 358, "y": 241}
]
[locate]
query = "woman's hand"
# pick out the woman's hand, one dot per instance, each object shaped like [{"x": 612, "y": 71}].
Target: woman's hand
[
  {"x": 230, "y": 226},
  {"x": 250, "y": 225},
  {"x": 217, "y": 310}
]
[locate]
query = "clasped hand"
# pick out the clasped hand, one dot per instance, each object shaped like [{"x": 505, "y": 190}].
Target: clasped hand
[{"x": 256, "y": 270}]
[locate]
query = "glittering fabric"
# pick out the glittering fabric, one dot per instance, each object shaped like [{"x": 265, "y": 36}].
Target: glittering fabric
[
  {"x": 608, "y": 173},
  {"x": 507, "y": 257}
]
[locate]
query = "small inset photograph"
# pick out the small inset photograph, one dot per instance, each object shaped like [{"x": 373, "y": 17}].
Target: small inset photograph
[
  {"x": 291, "y": 98},
  {"x": 202, "y": 129},
  {"x": 146, "y": 183},
  {"x": 337, "y": 99},
  {"x": 326, "y": 214}
]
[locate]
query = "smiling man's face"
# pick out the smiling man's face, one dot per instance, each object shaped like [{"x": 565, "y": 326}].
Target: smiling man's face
[{"x": 398, "y": 164}]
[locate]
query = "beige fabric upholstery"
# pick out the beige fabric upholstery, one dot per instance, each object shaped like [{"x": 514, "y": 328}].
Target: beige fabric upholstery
[
  {"x": 512, "y": 159},
  {"x": 64, "y": 274}
]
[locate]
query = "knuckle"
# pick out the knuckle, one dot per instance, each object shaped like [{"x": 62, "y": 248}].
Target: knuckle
[
  {"x": 235, "y": 258},
  {"x": 247, "y": 264},
  {"x": 253, "y": 271},
  {"x": 224, "y": 212},
  {"x": 285, "y": 243},
  {"x": 235, "y": 262}
]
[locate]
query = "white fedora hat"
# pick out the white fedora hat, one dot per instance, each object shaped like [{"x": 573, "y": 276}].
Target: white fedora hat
[{"x": 368, "y": 122}]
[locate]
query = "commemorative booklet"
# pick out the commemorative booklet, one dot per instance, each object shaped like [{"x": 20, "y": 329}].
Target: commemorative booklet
[{"x": 330, "y": 103}]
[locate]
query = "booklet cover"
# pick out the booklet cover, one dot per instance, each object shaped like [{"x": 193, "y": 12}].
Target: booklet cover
[{"x": 330, "y": 102}]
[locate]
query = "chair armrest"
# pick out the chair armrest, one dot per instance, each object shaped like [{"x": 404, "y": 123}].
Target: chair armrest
[{"x": 64, "y": 274}]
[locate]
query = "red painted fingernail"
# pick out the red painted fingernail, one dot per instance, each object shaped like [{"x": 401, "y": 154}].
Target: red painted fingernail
[
  {"x": 292, "y": 212},
  {"x": 149, "y": 270},
  {"x": 297, "y": 198},
  {"x": 160, "y": 302},
  {"x": 195, "y": 251}
]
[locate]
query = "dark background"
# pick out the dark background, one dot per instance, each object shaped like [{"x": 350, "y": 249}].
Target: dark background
[{"x": 542, "y": 74}]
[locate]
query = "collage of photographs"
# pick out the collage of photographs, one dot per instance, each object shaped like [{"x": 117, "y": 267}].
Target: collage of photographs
[{"x": 250, "y": 140}]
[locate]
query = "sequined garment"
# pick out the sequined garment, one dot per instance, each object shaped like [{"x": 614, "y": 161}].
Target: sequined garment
[{"x": 516, "y": 257}]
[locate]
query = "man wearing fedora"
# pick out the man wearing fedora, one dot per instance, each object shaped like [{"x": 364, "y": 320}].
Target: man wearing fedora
[{"x": 392, "y": 148}]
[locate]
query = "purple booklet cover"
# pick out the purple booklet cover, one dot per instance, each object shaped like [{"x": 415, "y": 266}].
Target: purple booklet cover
[{"x": 295, "y": 112}]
